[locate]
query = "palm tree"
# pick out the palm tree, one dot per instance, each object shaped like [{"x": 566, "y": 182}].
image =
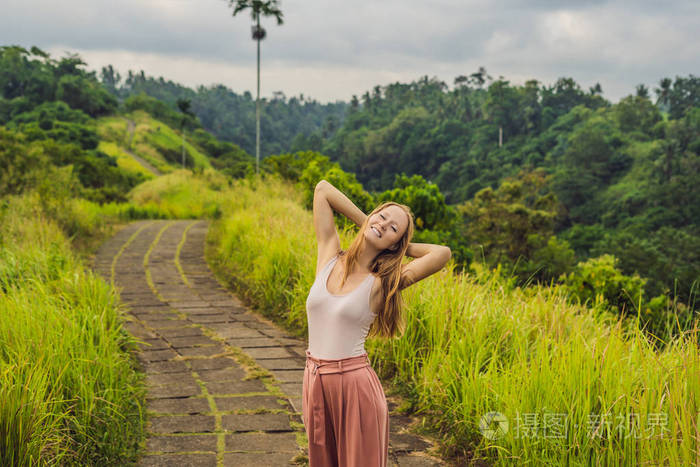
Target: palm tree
[
  {"x": 642, "y": 91},
  {"x": 257, "y": 8},
  {"x": 184, "y": 106},
  {"x": 663, "y": 94}
]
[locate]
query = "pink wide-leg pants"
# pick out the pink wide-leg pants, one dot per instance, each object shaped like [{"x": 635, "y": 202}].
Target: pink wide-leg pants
[{"x": 345, "y": 413}]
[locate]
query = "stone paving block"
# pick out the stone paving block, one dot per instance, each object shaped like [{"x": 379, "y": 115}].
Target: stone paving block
[
  {"x": 208, "y": 319},
  {"x": 292, "y": 341},
  {"x": 227, "y": 404},
  {"x": 156, "y": 355},
  {"x": 146, "y": 316},
  {"x": 288, "y": 376},
  {"x": 153, "y": 344},
  {"x": 407, "y": 442},
  {"x": 217, "y": 363},
  {"x": 257, "y": 324},
  {"x": 178, "y": 405},
  {"x": 183, "y": 331},
  {"x": 169, "y": 277},
  {"x": 158, "y": 324},
  {"x": 281, "y": 364},
  {"x": 129, "y": 270},
  {"x": 211, "y": 294},
  {"x": 274, "y": 331},
  {"x": 136, "y": 296},
  {"x": 236, "y": 311},
  {"x": 416, "y": 460},
  {"x": 182, "y": 424},
  {"x": 201, "y": 281},
  {"x": 235, "y": 331},
  {"x": 191, "y": 341},
  {"x": 188, "y": 303},
  {"x": 204, "y": 351},
  {"x": 179, "y": 460},
  {"x": 173, "y": 390},
  {"x": 218, "y": 376},
  {"x": 299, "y": 350},
  {"x": 169, "y": 366},
  {"x": 151, "y": 302},
  {"x": 292, "y": 389},
  {"x": 254, "y": 459},
  {"x": 131, "y": 291},
  {"x": 256, "y": 422},
  {"x": 137, "y": 330},
  {"x": 229, "y": 302},
  {"x": 170, "y": 378},
  {"x": 269, "y": 442},
  {"x": 159, "y": 307},
  {"x": 267, "y": 352},
  {"x": 398, "y": 422},
  {"x": 175, "y": 299},
  {"x": 247, "y": 318},
  {"x": 206, "y": 310},
  {"x": 181, "y": 443},
  {"x": 146, "y": 297},
  {"x": 246, "y": 342},
  {"x": 236, "y": 387}
]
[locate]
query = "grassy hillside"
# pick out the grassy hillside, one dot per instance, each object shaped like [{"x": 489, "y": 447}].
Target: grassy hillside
[{"x": 140, "y": 134}]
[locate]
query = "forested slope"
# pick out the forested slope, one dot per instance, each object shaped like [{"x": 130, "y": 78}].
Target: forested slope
[
  {"x": 231, "y": 116},
  {"x": 619, "y": 178}
]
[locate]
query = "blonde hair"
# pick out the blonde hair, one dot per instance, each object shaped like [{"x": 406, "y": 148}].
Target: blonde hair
[{"x": 387, "y": 265}]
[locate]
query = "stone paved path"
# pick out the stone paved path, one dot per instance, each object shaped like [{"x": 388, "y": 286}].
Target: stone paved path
[{"x": 224, "y": 384}]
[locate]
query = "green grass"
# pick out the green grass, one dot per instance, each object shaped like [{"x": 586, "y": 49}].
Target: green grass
[{"x": 69, "y": 389}]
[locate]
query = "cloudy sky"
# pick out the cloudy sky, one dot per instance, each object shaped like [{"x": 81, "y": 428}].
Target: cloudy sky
[{"x": 332, "y": 49}]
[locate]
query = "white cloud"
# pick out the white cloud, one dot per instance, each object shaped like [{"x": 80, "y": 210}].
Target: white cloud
[
  {"x": 325, "y": 84},
  {"x": 332, "y": 49}
]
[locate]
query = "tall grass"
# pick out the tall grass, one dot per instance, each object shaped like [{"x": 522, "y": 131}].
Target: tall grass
[
  {"x": 573, "y": 383},
  {"x": 69, "y": 389},
  {"x": 184, "y": 195}
]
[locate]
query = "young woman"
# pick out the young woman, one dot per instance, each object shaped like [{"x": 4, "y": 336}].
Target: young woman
[{"x": 356, "y": 294}]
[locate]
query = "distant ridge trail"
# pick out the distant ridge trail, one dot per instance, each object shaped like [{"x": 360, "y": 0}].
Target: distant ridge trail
[
  {"x": 209, "y": 402},
  {"x": 144, "y": 163}
]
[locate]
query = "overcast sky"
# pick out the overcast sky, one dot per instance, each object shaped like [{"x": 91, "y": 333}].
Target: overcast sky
[{"x": 332, "y": 49}]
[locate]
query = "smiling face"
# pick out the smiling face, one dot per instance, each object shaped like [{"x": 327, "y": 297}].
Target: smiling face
[{"x": 386, "y": 227}]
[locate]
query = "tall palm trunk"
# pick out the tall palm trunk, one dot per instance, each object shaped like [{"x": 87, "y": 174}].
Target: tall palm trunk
[{"x": 257, "y": 111}]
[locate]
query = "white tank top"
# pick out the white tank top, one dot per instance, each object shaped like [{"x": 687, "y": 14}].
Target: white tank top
[{"x": 338, "y": 324}]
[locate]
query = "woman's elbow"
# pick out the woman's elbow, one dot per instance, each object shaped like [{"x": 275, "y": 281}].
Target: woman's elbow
[
  {"x": 448, "y": 254},
  {"x": 320, "y": 185}
]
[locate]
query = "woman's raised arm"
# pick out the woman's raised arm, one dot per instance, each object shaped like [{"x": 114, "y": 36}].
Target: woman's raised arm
[{"x": 341, "y": 203}]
